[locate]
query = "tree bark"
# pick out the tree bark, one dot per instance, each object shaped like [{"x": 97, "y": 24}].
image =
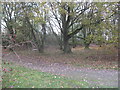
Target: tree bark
[
  {"x": 43, "y": 38},
  {"x": 66, "y": 46},
  {"x": 86, "y": 45}
]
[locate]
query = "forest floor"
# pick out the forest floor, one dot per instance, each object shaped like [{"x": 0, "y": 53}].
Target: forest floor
[{"x": 97, "y": 66}]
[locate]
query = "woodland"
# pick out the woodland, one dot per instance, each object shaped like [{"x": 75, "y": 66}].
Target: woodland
[{"x": 79, "y": 35}]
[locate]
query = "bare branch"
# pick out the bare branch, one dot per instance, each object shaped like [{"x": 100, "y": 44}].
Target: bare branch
[{"x": 56, "y": 17}]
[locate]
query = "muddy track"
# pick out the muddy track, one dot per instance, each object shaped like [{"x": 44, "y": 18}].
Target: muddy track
[{"x": 95, "y": 78}]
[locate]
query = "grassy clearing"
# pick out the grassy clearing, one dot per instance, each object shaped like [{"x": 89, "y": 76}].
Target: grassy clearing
[{"x": 19, "y": 77}]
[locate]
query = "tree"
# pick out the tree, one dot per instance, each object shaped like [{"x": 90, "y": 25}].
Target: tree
[
  {"x": 98, "y": 22},
  {"x": 66, "y": 15},
  {"x": 119, "y": 23},
  {"x": 33, "y": 21},
  {"x": 91, "y": 22},
  {"x": 9, "y": 17}
]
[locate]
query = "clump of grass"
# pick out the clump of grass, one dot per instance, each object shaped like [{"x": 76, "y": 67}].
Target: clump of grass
[{"x": 15, "y": 76}]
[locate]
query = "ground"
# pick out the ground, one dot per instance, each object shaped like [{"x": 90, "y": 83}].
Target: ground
[
  {"x": 97, "y": 66},
  {"x": 15, "y": 76}
]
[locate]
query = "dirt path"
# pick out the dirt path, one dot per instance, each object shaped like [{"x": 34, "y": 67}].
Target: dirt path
[{"x": 95, "y": 78}]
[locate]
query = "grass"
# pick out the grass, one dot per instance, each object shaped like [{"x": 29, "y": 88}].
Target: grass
[
  {"x": 95, "y": 58},
  {"x": 15, "y": 76}
]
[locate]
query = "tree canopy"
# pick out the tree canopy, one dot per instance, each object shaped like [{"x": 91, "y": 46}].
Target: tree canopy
[{"x": 90, "y": 22}]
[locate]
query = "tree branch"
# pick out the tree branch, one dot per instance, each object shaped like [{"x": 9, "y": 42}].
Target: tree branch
[
  {"x": 56, "y": 17},
  {"x": 75, "y": 32}
]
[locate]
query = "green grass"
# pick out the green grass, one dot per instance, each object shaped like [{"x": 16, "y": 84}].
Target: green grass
[{"x": 21, "y": 77}]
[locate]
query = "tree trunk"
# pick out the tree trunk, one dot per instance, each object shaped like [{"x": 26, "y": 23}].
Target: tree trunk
[
  {"x": 43, "y": 38},
  {"x": 73, "y": 40},
  {"x": 33, "y": 35},
  {"x": 66, "y": 45},
  {"x": 41, "y": 49},
  {"x": 61, "y": 42},
  {"x": 86, "y": 45},
  {"x": 61, "y": 47}
]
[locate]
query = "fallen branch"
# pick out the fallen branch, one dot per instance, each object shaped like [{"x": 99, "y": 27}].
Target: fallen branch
[{"x": 16, "y": 55}]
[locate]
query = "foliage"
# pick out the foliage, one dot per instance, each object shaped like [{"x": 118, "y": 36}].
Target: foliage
[{"x": 92, "y": 22}]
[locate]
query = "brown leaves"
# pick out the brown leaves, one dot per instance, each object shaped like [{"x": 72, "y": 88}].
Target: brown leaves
[{"x": 94, "y": 58}]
